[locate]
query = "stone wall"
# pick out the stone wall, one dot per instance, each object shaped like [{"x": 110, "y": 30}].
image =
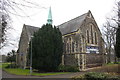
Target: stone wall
[
  {"x": 93, "y": 60},
  {"x": 23, "y": 48},
  {"x": 88, "y": 61},
  {"x": 69, "y": 59}
]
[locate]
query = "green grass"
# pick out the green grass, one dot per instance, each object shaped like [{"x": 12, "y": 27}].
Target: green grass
[
  {"x": 0, "y": 65},
  {"x": 4, "y": 65},
  {"x": 50, "y": 73},
  {"x": 18, "y": 71},
  {"x": 112, "y": 63}
]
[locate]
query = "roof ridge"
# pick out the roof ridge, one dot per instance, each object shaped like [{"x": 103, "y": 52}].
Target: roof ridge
[
  {"x": 30, "y": 30},
  {"x": 30, "y": 26},
  {"x": 73, "y": 19},
  {"x": 73, "y": 24}
]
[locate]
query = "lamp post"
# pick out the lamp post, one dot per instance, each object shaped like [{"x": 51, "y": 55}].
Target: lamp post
[{"x": 31, "y": 57}]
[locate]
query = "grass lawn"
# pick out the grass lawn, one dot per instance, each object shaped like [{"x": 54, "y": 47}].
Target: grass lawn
[
  {"x": 4, "y": 65},
  {"x": 112, "y": 63},
  {"x": 0, "y": 65},
  {"x": 18, "y": 71}
]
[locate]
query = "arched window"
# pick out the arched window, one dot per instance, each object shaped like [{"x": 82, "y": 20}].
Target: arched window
[
  {"x": 76, "y": 46},
  {"x": 91, "y": 34},
  {"x": 88, "y": 41},
  {"x": 64, "y": 47},
  {"x": 72, "y": 46},
  {"x": 67, "y": 48},
  {"x": 95, "y": 38}
]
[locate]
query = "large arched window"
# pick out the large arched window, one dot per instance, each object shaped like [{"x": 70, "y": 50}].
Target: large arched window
[
  {"x": 76, "y": 46},
  {"x": 67, "y": 48},
  {"x": 95, "y": 38},
  {"x": 73, "y": 46},
  {"x": 64, "y": 47},
  {"x": 70, "y": 48},
  {"x": 91, "y": 26},
  {"x": 88, "y": 41},
  {"x": 70, "y": 45}
]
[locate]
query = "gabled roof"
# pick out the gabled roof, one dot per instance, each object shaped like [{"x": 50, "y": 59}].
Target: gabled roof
[
  {"x": 30, "y": 30},
  {"x": 72, "y": 25}
]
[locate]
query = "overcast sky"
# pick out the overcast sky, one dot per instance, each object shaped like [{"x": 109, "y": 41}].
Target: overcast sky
[{"x": 62, "y": 11}]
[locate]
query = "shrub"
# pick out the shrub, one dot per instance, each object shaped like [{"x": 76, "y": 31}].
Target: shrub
[
  {"x": 12, "y": 66},
  {"x": 81, "y": 77},
  {"x": 96, "y": 76},
  {"x": 116, "y": 62},
  {"x": 64, "y": 68}
]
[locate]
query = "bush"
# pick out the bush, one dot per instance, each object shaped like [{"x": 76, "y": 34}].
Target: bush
[
  {"x": 96, "y": 76},
  {"x": 116, "y": 62},
  {"x": 12, "y": 66},
  {"x": 64, "y": 68},
  {"x": 81, "y": 77}
]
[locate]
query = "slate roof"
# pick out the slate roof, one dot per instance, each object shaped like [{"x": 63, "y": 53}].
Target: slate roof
[
  {"x": 65, "y": 28},
  {"x": 72, "y": 25},
  {"x": 30, "y": 30}
]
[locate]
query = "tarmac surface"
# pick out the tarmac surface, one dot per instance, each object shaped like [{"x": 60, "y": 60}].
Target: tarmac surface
[
  {"x": 7, "y": 76},
  {"x": 68, "y": 76}
]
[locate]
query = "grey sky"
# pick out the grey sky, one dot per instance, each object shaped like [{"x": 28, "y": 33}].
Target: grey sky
[{"x": 62, "y": 11}]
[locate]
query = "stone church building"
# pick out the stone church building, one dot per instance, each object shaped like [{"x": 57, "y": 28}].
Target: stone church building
[{"x": 83, "y": 42}]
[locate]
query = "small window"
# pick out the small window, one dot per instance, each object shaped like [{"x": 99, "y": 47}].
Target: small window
[{"x": 90, "y": 15}]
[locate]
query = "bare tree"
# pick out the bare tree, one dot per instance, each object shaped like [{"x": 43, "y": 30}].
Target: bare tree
[
  {"x": 16, "y": 8},
  {"x": 110, "y": 28},
  {"x": 117, "y": 28},
  {"x": 109, "y": 37}
]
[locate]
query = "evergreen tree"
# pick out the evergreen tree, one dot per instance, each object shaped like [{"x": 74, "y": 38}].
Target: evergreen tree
[
  {"x": 11, "y": 56},
  {"x": 117, "y": 47},
  {"x": 47, "y": 48}
]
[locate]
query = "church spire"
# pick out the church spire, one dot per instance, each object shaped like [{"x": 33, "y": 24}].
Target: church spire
[{"x": 49, "y": 20}]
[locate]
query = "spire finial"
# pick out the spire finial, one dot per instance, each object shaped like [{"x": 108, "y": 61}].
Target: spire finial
[{"x": 49, "y": 20}]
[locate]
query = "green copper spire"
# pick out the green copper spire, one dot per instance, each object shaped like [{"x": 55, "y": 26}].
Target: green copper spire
[{"x": 49, "y": 20}]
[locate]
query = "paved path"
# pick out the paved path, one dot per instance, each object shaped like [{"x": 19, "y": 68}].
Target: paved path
[
  {"x": 0, "y": 73},
  {"x": 69, "y": 75},
  {"x": 60, "y": 76}
]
